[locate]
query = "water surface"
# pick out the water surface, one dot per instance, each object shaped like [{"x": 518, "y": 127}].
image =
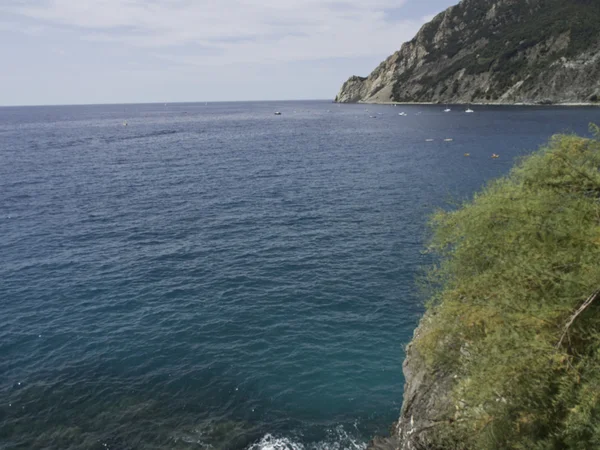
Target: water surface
[{"x": 218, "y": 277}]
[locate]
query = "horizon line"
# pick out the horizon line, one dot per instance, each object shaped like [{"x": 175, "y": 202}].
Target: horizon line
[{"x": 165, "y": 103}]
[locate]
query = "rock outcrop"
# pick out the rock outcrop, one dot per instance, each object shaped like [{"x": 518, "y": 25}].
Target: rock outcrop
[
  {"x": 427, "y": 402},
  {"x": 493, "y": 51}
]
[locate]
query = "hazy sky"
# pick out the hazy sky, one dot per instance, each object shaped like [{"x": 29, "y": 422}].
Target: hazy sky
[{"x": 122, "y": 51}]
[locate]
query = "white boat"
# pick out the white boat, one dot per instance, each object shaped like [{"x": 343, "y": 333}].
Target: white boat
[
  {"x": 402, "y": 114},
  {"x": 469, "y": 110},
  {"x": 447, "y": 109},
  {"x": 277, "y": 113}
]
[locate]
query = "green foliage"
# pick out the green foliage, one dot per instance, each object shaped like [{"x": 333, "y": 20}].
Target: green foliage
[{"x": 516, "y": 263}]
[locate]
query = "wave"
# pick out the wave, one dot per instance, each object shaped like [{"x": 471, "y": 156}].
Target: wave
[
  {"x": 269, "y": 442},
  {"x": 339, "y": 440}
]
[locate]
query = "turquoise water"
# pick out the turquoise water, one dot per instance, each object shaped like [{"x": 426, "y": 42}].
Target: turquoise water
[{"x": 218, "y": 277}]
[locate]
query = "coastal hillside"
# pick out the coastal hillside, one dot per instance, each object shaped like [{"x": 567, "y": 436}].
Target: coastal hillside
[
  {"x": 493, "y": 51},
  {"x": 507, "y": 355}
]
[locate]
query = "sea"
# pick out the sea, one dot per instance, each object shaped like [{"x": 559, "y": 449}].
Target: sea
[{"x": 214, "y": 276}]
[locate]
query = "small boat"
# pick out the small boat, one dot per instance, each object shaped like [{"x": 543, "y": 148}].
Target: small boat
[
  {"x": 277, "y": 113},
  {"x": 403, "y": 114},
  {"x": 125, "y": 123},
  {"x": 469, "y": 110},
  {"x": 467, "y": 154},
  {"x": 447, "y": 109},
  {"x": 494, "y": 156},
  {"x": 448, "y": 140},
  {"x": 428, "y": 140}
]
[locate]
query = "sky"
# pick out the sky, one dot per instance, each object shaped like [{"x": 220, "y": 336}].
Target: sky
[{"x": 140, "y": 51}]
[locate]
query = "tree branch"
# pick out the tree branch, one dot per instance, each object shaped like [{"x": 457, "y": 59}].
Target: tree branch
[{"x": 583, "y": 307}]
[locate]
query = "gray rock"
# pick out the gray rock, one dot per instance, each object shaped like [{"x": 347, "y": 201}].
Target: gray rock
[
  {"x": 427, "y": 403},
  {"x": 476, "y": 52}
]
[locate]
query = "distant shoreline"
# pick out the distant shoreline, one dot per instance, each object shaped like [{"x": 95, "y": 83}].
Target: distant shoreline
[{"x": 471, "y": 104}]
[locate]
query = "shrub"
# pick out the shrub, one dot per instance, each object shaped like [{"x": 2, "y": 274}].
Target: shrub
[{"x": 516, "y": 263}]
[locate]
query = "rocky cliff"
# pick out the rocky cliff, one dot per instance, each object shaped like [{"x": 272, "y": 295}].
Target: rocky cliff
[{"x": 493, "y": 51}]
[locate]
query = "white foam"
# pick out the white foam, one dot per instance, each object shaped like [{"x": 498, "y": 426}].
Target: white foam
[
  {"x": 340, "y": 440},
  {"x": 269, "y": 442}
]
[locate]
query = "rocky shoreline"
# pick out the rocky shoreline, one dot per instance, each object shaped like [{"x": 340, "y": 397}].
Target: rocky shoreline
[
  {"x": 539, "y": 53},
  {"x": 566, "y": 104},
  {"x": 426, "y": 402}
]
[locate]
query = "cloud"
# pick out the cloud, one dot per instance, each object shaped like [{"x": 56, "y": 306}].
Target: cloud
[
  {"x": 209, "y": 32},
  {"x": 31, "y": 30}
]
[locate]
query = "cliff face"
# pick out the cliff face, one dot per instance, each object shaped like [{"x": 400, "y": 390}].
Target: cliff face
[{"x": 493, "y": 51}]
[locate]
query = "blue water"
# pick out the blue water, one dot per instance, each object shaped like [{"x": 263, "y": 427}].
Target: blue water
[{"x": 215, "y": 276}]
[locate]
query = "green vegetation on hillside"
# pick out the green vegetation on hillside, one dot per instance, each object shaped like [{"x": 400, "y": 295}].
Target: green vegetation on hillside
[{"x": 517, "y": 263}]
